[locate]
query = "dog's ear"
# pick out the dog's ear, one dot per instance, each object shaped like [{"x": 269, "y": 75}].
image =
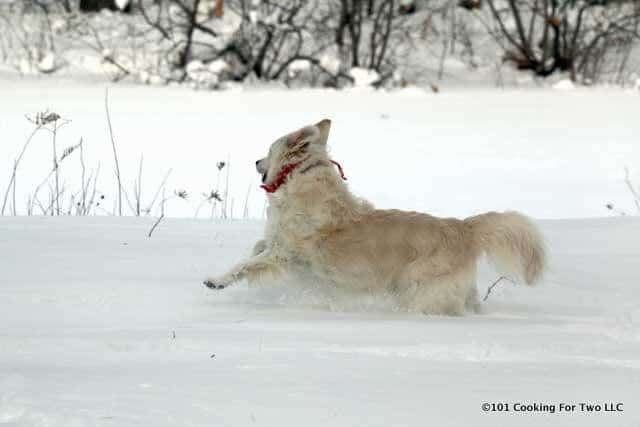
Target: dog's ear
[
  {"x": 297, "y": 138},
  {"x": 323, "y": 126},
  {"x": 317, "y": 133},
  {"x": 306, "y": 134}
]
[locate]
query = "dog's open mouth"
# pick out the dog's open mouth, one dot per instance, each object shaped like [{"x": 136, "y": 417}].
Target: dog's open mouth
[{"x": 264, "y": 177}]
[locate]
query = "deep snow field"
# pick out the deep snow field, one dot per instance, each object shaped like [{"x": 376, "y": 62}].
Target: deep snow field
[
  {"x": 90, "y": 305},
  {"x": 102, "y": 326}
]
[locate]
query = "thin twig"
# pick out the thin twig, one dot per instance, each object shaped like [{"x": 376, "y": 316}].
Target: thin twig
[
  {"x": 160, "y": 188},
  {"x": 83, "y": 204},
  {"x": 245, "y": 211},
  {"x": 115, "y": 153},
  {"x": 15, "y": 168},
  {"x": 213, "y": 205},
  {"x": 490, "y": 288},
  {"x": 180, "y": 194},
  {"x": 155, "y": 225},
  {"x": 226, "y": 191},
  {"x": 37, "y": 201},
  {"x": 634, "y": 192},
  {"x": 55, "y": 166},
  {"x": 93, "y": 191},
  {"x": 57, "y": 163},
  {"x": 13, "y": 191},
  {"x": 138, "y": 187}
]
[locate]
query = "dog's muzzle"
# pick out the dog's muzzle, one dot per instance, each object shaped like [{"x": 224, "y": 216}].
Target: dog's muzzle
[{"x": 261, "y": 170}]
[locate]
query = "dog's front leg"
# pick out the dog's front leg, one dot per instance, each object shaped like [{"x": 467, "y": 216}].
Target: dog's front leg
[{"x": 258, "y": 266}]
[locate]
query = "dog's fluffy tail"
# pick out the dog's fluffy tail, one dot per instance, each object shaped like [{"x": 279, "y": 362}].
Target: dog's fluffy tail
[{"x": 511, "y": 242}]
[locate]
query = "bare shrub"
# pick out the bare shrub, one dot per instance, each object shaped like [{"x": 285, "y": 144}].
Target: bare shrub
[
  {"x": 574, "y": 36},
  {"x": 277, "y": 39}
]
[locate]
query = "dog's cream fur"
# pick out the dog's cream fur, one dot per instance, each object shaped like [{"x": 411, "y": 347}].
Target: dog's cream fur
[{"x": 316, "y": 225}]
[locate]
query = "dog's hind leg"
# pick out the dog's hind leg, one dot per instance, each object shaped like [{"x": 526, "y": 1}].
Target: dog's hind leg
[
  {"x": 435, "y": 299},
  {"x": 470, "y": 286},
  {"x": 446, "y": 294},
  {"x": 256, "y": 267},
  {"x": 472, "y": 303}
]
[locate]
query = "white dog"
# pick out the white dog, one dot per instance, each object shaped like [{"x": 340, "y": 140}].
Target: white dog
[{"x": 315, "y": 224}]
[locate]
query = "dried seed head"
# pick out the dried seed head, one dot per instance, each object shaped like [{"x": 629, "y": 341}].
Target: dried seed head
[
  {"x": 67, "y": 151},
  {"x": 213, "y": 195},
  {"x": 44, "y": 118},
  {"x": 220, "y": 165},
  {"x": 182, "y": 194}
]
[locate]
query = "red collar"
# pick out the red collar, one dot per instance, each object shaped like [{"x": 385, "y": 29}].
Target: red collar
[{"x": 287, "y": 170}]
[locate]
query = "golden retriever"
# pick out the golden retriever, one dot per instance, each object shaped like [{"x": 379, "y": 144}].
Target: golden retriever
[{"x": 429, "y": 264}]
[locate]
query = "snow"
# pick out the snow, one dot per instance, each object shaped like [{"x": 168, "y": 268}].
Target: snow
[
  {"x": 363, "y": 77},
  {"x": 299, "y": 65},
  {"x": 101, "y": 325},
  {"x": 218, "y": 66},
  {"x": 122, "y": 4},
  {"x": 90, "y": 307},
  {"x": 564, "y": 84},
  {"x": 194, "y": 66},
  {"x": 548, "y": 153},
  {"x": 330, "y": 62},
  {"x": 48, "y": 63}
]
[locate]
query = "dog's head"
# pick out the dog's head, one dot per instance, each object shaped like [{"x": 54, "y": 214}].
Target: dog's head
[{"x": 310, "y": 141}]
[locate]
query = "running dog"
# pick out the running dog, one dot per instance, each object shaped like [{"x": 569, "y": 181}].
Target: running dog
[{"x": 314, "y": 224}]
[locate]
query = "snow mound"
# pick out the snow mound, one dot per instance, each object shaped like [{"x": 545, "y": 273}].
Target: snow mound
[
  {"x": 218, "y": 66},
  {"x": 565, "y": 84},
  {"x": 48, "y": 63},
  {"x": 122, "y": 4},
  {"x": 299, "y": 65},
  {"x": 330, "y": 63},
  {"x": 363, "y": 77}
]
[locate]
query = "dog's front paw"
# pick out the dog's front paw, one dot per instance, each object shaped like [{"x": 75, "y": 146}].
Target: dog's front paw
[
  {"x": 259, "y": 247},
  {"x": 214, "y": 284}
]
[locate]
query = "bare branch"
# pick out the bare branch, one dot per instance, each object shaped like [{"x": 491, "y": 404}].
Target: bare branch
[
  {"x": 632, "y": 189},
  {"x": 490, "y": 288},
  {"x": 115, "y": 153}
]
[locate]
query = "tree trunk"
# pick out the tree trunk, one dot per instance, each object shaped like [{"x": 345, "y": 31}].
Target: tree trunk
[{"x": 219, "y": 10}]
